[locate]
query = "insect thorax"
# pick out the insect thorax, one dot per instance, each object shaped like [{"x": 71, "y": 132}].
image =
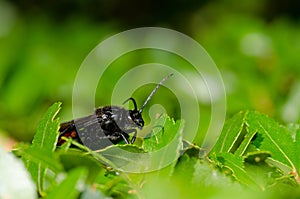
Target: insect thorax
[{"x": 114, "y": 115}]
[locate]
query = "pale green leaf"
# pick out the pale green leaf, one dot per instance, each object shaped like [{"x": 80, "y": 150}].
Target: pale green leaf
[
  {"x": 71, "y": 186},
  {"x": 208, "y": 176},
  {"x": 236, "y": 165},
  {"x": 128, "y": 158},
  {"x": 47, "y": 159},
  {"x": 164, "y": 145},
  {"x": 164, "y": 131}
]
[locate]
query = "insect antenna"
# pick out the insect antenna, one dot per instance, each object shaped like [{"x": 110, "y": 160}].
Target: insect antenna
[
  {"x": 154, "y": 90},
  {"x": 133, "y": 101}
]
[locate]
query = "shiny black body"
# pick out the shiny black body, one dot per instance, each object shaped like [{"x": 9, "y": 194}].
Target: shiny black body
[{"x": 108, "y": 125}]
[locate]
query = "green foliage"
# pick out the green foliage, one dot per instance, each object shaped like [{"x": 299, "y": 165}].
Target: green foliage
[
  {"x": 257, "y": 54},
  {"x": 254, "y": 156},
  {"x": 71, "y": 186},
  {"x": 38, "y": 156},
  {"x": 153, "y": 153},
  {"x": 255, "y": 138}
]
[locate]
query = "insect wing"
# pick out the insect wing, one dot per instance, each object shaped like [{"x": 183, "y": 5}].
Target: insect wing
[{"x": 90, "y": 132}]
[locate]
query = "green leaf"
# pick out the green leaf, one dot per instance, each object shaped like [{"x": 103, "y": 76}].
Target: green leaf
[
  {"x": 128, "y": 158},
  {"x": 251, "y": 135},
  {"x": 71, "y": 186},
  {"x": 114, "y": 183},
  {"x": 164, "y": 131},
  {"x": 92, "y": 193},
  {"x": 46, "y": 158},
  {"x": 163, "y": 150},
  {"x": 206, "y": 175},
  {"x": 294, "y": 130},
  {"x": 296, "y": 160},
  {"x": 236, "y": 165},
  {"x": 74, "y": 158},
  {"x": 164, "y": 144},
  {"x": 257, "y": 168},
  {"x": 45, "y": 139},
  {"x": 231, "y": 136},
  {"x": 257, "y": 156},
  {"x": 47, "y": 131},
  {"x": 185, "y": 166},
  {"x": 159, "y": 150},
  {"x": 15, "y": 180},
  {"x": 278, "y": 140}
]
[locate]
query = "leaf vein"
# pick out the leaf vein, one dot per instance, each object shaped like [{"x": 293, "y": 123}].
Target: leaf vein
[{"x": 277, "y": 146}]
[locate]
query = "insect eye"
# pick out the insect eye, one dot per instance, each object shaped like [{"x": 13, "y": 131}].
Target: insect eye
[
  {"x": 137, "y": 118},
  {"x": 141, "y": 122}
]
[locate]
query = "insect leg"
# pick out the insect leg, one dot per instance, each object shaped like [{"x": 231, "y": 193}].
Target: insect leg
[
  {"x": 134, "y": 135},
  {"x": 124, "y": 137}
]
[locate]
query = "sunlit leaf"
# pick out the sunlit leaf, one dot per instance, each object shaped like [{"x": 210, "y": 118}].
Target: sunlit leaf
[
  {"x": 125, "y": 157},
  {"x": 236, "y": 165},
  {"x": 164, "y": 144},
  {"x": 47, "y": 131},
  {"x": 257, "y": 138},
  {"x": 45, "y": 139},
  {"x": 164, "y": 131},
  {"x": 278, "y": 140},
  {"x": 230, "y": 138}
]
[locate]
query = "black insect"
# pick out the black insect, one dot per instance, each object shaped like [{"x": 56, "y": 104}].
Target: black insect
[{"x": 109, "y": 124}]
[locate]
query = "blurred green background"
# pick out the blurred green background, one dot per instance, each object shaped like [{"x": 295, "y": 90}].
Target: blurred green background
[{"x": 255, "y": 44}]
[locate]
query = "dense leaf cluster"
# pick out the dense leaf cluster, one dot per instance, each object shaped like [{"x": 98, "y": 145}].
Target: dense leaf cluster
[{"x": 253, "y": 157}]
